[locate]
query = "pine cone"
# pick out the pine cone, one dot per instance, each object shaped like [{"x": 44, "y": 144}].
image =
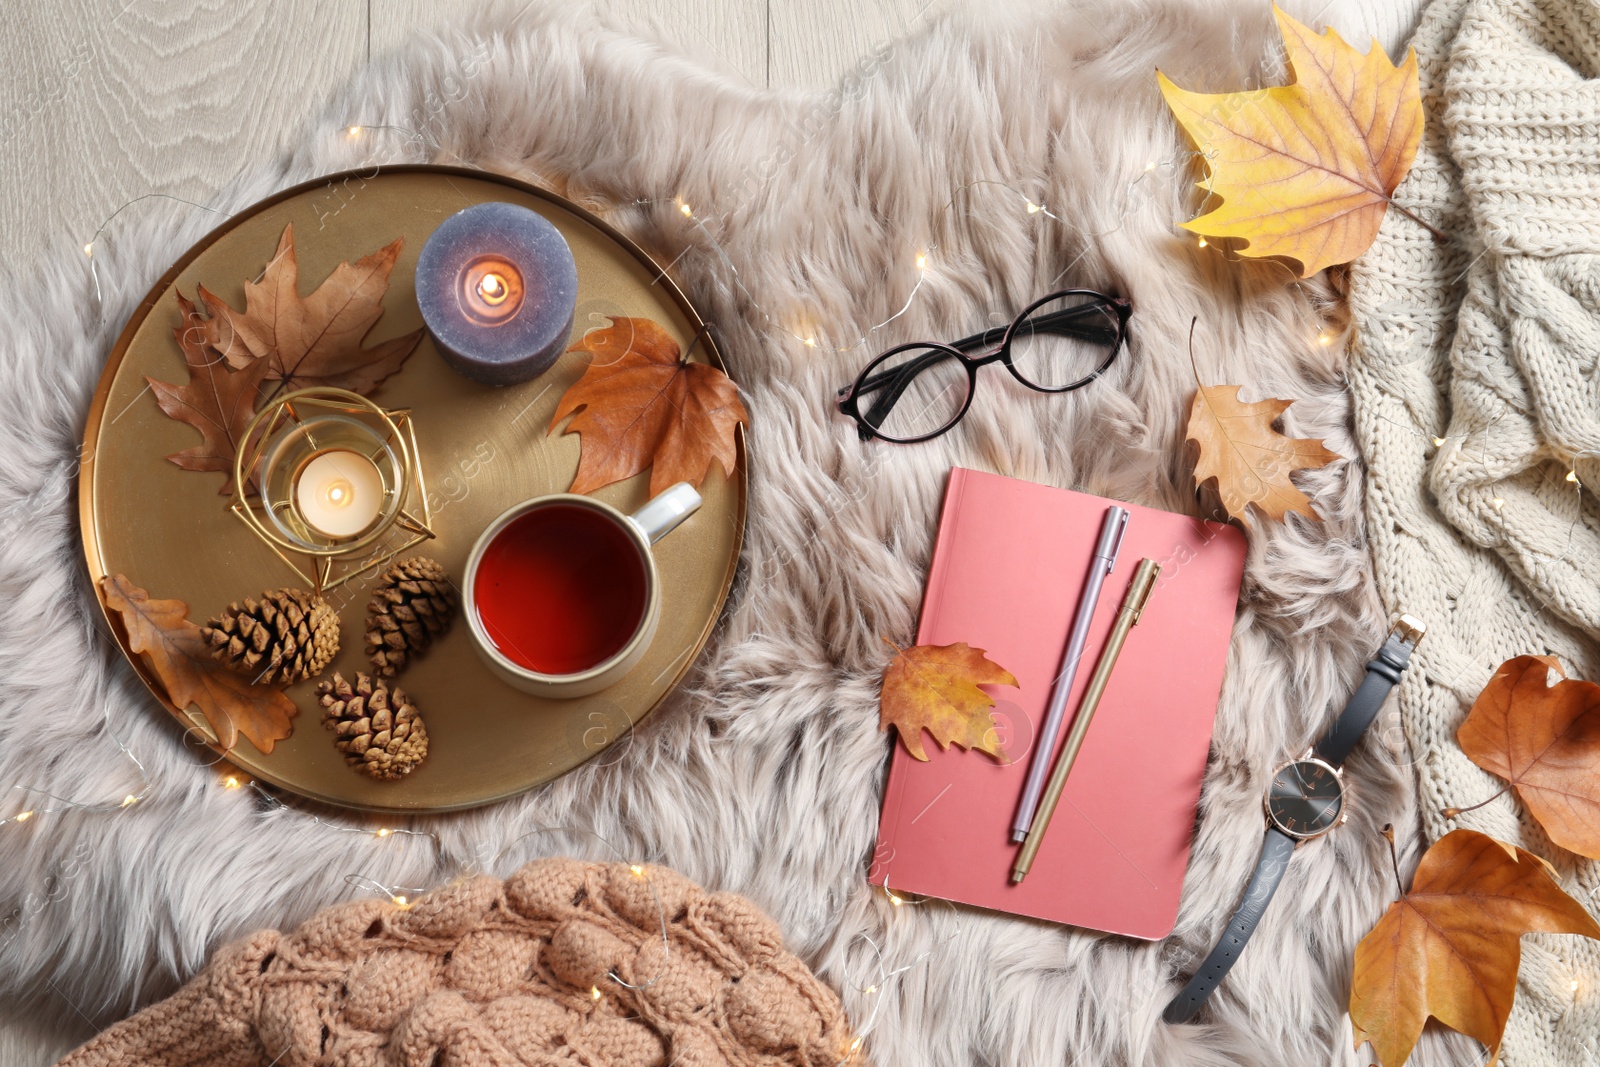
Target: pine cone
[
  {"x": 414, "y": 603},
  {"x": 377, "y": 728},
  {"x": 288, "y": 635}
]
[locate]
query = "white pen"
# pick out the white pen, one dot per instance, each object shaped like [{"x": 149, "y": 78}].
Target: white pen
[{"x": 1102, "y": 563}]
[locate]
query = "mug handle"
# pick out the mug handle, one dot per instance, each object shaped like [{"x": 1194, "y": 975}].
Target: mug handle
[{"x": 662, "y": 514}]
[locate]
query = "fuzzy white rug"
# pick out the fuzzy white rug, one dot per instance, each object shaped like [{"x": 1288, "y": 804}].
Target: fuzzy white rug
[{"x": 764, "y": 775}]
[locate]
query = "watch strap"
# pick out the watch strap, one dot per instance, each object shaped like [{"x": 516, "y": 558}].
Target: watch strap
[
  {"x": 1383, "y": 673},
  {"x": 1274, "y": 861}
]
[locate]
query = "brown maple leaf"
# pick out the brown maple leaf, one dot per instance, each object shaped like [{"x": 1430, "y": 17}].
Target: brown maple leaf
[
  {"x": 1251, "y": 461},
  {"x": 312, "y": 341},
  {"x": 176, "y": 652},
  {"x": 216, "y": 401},
  {"x": 935, "y": 688},
  {"x": 1450, "y": 948},
  {"x": 1545, "y": 740},
  {"x": 640, "y": 405}
]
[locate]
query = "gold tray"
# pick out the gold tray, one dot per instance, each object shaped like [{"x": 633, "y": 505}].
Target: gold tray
[{"x": 483, "y": 449}]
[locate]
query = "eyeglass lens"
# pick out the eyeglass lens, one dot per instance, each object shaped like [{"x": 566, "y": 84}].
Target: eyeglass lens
[
  {"x": 1064, "y": 341},
  {"x": 910, "y": 392}
]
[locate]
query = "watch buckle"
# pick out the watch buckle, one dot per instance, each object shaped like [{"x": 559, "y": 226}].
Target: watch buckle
[{"x": 1409, "y": 631}]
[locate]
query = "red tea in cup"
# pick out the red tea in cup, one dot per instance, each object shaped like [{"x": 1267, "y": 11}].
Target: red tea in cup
[{"x": 561, "y": 589}]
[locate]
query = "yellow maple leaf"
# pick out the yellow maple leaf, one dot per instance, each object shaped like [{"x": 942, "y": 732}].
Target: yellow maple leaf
[
  {"x": 935, "y": 688},
  {"x": 1305, "y": 171},
  {"x": 1249, "y": 459}
]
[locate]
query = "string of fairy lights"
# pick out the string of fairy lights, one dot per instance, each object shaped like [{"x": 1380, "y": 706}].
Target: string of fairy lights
[{"x": 922, "y": 258}]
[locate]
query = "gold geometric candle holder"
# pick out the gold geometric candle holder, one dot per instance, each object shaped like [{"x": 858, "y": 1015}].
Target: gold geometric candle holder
[{"x": 332, "y": 476}]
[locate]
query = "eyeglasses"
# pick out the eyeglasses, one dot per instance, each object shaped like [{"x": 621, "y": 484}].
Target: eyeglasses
[{"x": 919, "y": 390}]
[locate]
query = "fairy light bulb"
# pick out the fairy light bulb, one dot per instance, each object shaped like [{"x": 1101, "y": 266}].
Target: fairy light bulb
[
  {"x": 688, "y": 212},
  {"x": 1572, "y": 476},
  {"x": 385, "y": 832},
  {"x": 922, "y": 262},
  {"x": 1202, "y": 242},
  {"x": 1033, "y": 209},
  {"x": 230, "y": 782},
  {"x": 352, "y": 131},
  {"x": 809, "y": 342},
  {"x": 88, "y": 249},
  {"x": 400, "y": 902},
  {"x": 1438, "y": 442},
  {"x": 23, "y": 816},
  {"x": 594, "y": 992},
  {"x": 129, "y": 800},
  {"x": 638, "y": 871}
]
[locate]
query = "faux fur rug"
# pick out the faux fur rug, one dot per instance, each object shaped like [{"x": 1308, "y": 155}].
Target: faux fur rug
[{"x": 763, "y": 776}]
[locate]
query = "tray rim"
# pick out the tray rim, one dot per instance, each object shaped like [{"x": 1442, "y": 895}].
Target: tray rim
[{"x": 94, "y": 418}]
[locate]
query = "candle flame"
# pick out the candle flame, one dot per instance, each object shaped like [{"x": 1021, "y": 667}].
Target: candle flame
[
  {"x": 493, "y": 289},
  {"x": 339, "y": 494}
]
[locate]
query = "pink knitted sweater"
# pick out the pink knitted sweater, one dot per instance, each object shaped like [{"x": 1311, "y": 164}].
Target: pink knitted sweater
[{"x": 564, "y": 964}]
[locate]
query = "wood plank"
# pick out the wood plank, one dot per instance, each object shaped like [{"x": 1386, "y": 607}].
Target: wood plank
[
  {"x": 731, "y": 34},
  {"x": 817, "y": 43},
  {"x": 102, "y": 101}
]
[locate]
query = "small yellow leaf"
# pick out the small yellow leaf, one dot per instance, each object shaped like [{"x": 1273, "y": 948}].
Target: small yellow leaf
[
  {"x": 1249, "y": 459},
  {"x": 1305, "y": 171},
  {"x": 935, "y": 688}
]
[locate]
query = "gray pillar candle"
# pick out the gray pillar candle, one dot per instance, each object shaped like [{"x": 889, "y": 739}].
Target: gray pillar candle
[{"x": 497, "y": 286}]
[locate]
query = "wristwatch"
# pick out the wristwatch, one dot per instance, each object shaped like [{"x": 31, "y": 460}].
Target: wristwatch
[{"x": 1304, "y": 801}]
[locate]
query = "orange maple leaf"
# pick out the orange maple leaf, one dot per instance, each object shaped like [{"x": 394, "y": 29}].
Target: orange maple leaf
[
  {"x": 216, "y": 401},
  {"x": 313, "y": 341},
  {"x": 1451, "y": 947},
  {"x": 1545, "y": 741},
  {"x": 639, "y": 404},
  {"x": 935, "y": 688},
  {"x": 1251, "y": 461},
  {"x": 176, "y": 652},
  {"x": 1305, "y": 171}
]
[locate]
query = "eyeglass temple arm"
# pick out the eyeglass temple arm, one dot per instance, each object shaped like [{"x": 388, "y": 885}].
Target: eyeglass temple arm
[{"x": 1064, "y": 323}]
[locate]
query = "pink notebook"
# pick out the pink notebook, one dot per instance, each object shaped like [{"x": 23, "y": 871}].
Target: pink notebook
[{"x": 1010, "y": 561}]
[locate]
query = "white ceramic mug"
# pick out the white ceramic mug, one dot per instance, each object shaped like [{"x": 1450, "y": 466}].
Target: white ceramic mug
[{"x": 642, "y": 529}]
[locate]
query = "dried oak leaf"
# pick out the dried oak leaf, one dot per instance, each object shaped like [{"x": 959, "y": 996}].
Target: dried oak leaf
[
  {"x": 935, "y": 688},
  {"x": 639, "y": 404},
  {"x": 216, "y": 401},
  {"x": 1305, "y": 171},
  {"x": 1249, "y": 459},
  {"x": 312, "y": 341},
  {"x": 1545, "y": 740},
  {"x": 160, "y": 630},
  {"x": 1450, "y": 948}
]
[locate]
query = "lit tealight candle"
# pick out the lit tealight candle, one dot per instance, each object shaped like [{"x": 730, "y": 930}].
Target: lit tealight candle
[
  {"x": 497, "y": 286},
  {"x": 339, "y": 493}
]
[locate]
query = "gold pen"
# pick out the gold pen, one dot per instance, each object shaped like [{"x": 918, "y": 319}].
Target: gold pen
[{"x": 1139, "y": 589}]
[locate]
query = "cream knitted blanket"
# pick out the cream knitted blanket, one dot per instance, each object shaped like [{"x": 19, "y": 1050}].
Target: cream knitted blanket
[{"x": 1477, "y": 392}]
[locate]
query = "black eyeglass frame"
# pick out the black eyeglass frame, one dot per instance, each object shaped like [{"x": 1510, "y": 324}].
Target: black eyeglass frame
[{"x": 849, "y": 396}]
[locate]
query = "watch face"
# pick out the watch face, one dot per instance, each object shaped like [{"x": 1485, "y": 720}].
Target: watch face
[{"x": 1306, "y": 798}]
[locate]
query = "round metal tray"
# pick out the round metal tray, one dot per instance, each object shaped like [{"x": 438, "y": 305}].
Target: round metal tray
[{"x": 482, "y": 449}]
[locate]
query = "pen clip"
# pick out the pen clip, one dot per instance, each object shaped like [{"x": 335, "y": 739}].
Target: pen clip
[
  {"x": 1120, "y": 517},
  {"x": 1140, "y": 588}
]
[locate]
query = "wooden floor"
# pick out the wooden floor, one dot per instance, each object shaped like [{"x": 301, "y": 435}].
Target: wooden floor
[{"x": 105, "y": 101}]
